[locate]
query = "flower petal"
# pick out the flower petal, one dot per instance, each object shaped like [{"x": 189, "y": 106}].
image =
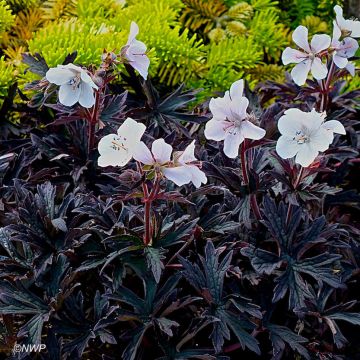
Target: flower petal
[
  {"x": 320, "y": 42},
  {"x": 238, "y": 108},
  {"x": 232, "y": 141},
  {"x": 334, "y": 126},
  {"x": 142, "y": 153},
  {"x": 291, "y": 122},
  {"x": 251, "y": 131},
  {"x": 350, "y": 67},
  {"x": 214, "y": 129},
  {"x": 350, "y": 25},
  {"x": 286, "y": 147},
  {"x": 347, "y": 48},
  {"x": 59, "y": 75},
  {"x": 313, "y": 120},
  {"x": 87, "y": 98},
  {"x": 141, "y": 63},
  {"x": 198, "y": 177},
  {"x": 85, "y": 77},
  {"x": 69, "y": 94},
  {"x": 336, "y": 33},
  {"x": 134, "y": 30},
  {"x": 188, "y": 154},
  {"x": 300, "y": 72},
  {"x": 220, "y": 106},
  {"x": 300, "y": 37},
  {"x": 318, "y": 69},
  {"x": 131, "y": 132},
  {"x": 236, "y": 90},
  {"x": 340, "y": 61},
  {"x": 290, "y": 55},
  {"x": 354, "y": 27},
  {"x": 306, "y": 155},
  {"x": 179, "y": 175},
  {"x": 161, "y": 151},
  {"x": 321, "y": 140},
  {"x": 111, "y": 154}
]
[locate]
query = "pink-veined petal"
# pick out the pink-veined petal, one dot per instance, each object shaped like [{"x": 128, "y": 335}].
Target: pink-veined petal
[
  {"x": 251, "y": 131},
  {"x": 238, "y": 107},
  {"x": 290, "y": 55},
  {"x": 161, "y": 151},
  {"x": 320, "y": 42},
  {"x": 232, "y": 141},
  {"x": 318, "y": 69},
  {"x": 141, "y": 63},
  {"x": 347, "y": 48},
  {"x": 300, "y": 37},
  {"x": 300, "y": 72},
  {"x": 214, "y": 129}
]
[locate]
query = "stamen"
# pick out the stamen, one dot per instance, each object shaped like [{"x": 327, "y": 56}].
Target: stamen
[
  {"x": 300, "y": 138},
  {"x": 117, "y": 145}
]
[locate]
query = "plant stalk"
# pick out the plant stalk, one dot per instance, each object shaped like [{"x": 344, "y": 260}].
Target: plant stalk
[{"x": 244, "y": 171}]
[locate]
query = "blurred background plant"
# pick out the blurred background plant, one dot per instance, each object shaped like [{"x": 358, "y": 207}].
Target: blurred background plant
[{"x": 206, "y": 44}]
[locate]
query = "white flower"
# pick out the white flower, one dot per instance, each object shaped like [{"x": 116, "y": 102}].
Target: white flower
[
  {"x": 344, "y": 49},
  {"x": 186, "y": 163},
  {"x": 304, "y": 134},
  {"x": 75, "y": 85},
  {"x": 230, "y": 120},
  {"x": 135, "y": 52},
  {"x": 347, "y": 27},
  {"x": 117, "y": 150},
  {"x": 181, "y": 171},
  {"x": 350, "y": 67},
  {"x": 309, "y": 57}
]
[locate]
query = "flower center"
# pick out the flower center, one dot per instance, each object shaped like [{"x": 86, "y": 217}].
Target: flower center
[
  {"x": 300, "y": 137},
  {"x": 117, "y": 144},
  {"x": 311, "y": 56},
  {"x": 75, "y": 81}
]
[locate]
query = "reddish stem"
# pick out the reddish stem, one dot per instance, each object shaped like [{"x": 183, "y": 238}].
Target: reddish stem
[
  {"x": 148, "y": 199},
  {"x": 243, "y": 148},
  {"x": 92, "y": 120}
]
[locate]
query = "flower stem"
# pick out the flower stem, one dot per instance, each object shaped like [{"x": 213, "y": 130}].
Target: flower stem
[
  {"x": 243, "y": 147},
  {"x": 148, "y": 199},
  {"x": 92, "y": 120},
  {"x": 147, "y": 220}
]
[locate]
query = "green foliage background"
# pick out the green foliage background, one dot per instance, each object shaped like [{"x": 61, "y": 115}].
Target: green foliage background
[{"x": 206, "y": 44}]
